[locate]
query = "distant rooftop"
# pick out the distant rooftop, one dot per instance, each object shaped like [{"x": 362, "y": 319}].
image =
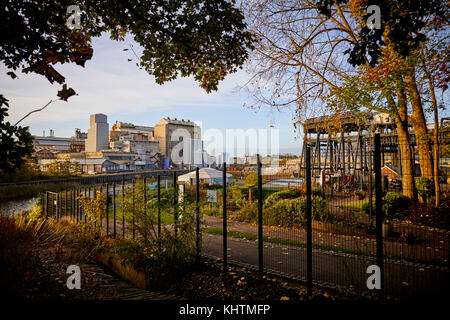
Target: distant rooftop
[{"x": 176, "y": 121}]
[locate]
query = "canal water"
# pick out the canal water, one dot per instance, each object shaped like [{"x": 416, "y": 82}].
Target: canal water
[{"x": 12, "y": 207}]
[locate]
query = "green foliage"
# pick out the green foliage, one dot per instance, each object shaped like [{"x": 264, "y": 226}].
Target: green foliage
[
  {"x": 360, "y": 193},
  {"x": 425, "y": 187},
  {"x": 235, "y": 192},
  {"x": 203, "y": 39},
  {"x": 292, "y": 212},
  {"x": 284, "y": 213},
  {"x": 26, "y": 172},
  {"x": 16, "y": 142},
  {"x": 146, "y": 209},
  {"x": 251, "y": 179},
  {"x": 214, "y": 186},
  {"x": 406, "y": 20},
  {"x": 353, "y": 96},
  {"x": 284, "y": 210},
  {"x": 64, "y": 169},
  {"x": 280, "y": 195},
  {"x": 319, "y": 206},
  {"x": 318, "y": 192},
  {"x": 365, "y": 206},
  {"x": 211, "y": 209},
  {"x": 248, "y": 211},
  {"x": 163, "y": 257},
  {"x": 37, "y": 212},
  {"x": 444, "y": 150},
  {"x": 393, "y": 204},
  {"x": 94, "y": 208},
  {"x": 268, "y": 191}
]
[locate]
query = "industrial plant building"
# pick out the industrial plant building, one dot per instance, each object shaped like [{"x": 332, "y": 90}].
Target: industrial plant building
[{"x": 170, "y": 143}]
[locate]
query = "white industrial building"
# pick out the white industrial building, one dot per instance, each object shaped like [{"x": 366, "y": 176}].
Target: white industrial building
[{"x": 206, "y": 175}]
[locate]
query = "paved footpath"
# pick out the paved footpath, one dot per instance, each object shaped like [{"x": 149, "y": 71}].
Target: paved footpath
[
  {"x": 330, "y": 268},
  {"x": 436, "y": 250}
]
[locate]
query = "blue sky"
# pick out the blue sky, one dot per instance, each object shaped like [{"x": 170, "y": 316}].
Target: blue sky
[{"x": 111, "y": 85}]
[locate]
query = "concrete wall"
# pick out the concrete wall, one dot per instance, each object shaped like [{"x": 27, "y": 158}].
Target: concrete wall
[{"x": 98, "y": 133}]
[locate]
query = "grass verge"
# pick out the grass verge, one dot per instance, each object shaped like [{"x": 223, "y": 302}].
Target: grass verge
[{"x": 296, "y": 243}]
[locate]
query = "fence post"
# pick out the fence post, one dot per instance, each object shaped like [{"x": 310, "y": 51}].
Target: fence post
[
  {"x": 80, "y": 212},
  {"x": 260, "y": 222},
  {"x": 370, "y": 190},
  {"x": 308, "y": 222},
  {"x": 378, "y": 212},
  {"x": 107, "y": 213},
  {"x": 145, "y": 196},
  {"x": 197, "y": 201},
  {"x": 224, "y": 211},
  {"x": 46, "y": 204},
  {"x": 75, "y": 204},
  {"x": 72, "y": 193},
  {"x": 175, "y": 202},
  {"x": 123, "y": 207},
  {"x": 95, "y": 197},
  {"x": 58, "y": 210},
  {"x": 114, "y": 209},
  {"x": 84, "y": 212},
  {"x": 134, "y": 229},
  {"x": 159, "y": 205}
]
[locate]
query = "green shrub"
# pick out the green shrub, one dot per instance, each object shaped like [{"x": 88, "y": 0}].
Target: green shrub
[
  {"x": 37, "y": 212},
  {"x": 319, "y": 208},
  {"x": 360, "y": 193},
  {"x": 281, "y": 195},
  {"x": 425, "y": 188},
  {"x": 284, "y": 213},
  {"x": 392, "y": 205},
  {"x": 318, "y": 192},
  {"x": 248, "y": 211},
  {"x": 247, "y": 189},
  {"x": 211, "y": 209},
  {"x": 214, "y": 186},
  {"x": 269, "y": 191},
  {"x": 235, "y": 192},
  {"x": 93, "y": 208},
  {"x": 251, "y": 179},
  {"x": 365, "y": 206}
]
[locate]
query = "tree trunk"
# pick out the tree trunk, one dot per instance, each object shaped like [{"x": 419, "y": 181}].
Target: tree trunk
[
  {"x": 437, "y": 188},
  {"x": 406, "y": 160},
  {"x": 404, "y": 143},
  {"x": 419, "y": 125}
]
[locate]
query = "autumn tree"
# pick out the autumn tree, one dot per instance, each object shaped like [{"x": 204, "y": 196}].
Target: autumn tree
[
  {"x": 435, "y": 62},
  {"x": 309, "y": 53},
  {"x": 64, "y": 169},
  {"x": 407, "y": 26}
]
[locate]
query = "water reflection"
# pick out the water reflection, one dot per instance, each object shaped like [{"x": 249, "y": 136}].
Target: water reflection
[{"x": 12, "y": 207}]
